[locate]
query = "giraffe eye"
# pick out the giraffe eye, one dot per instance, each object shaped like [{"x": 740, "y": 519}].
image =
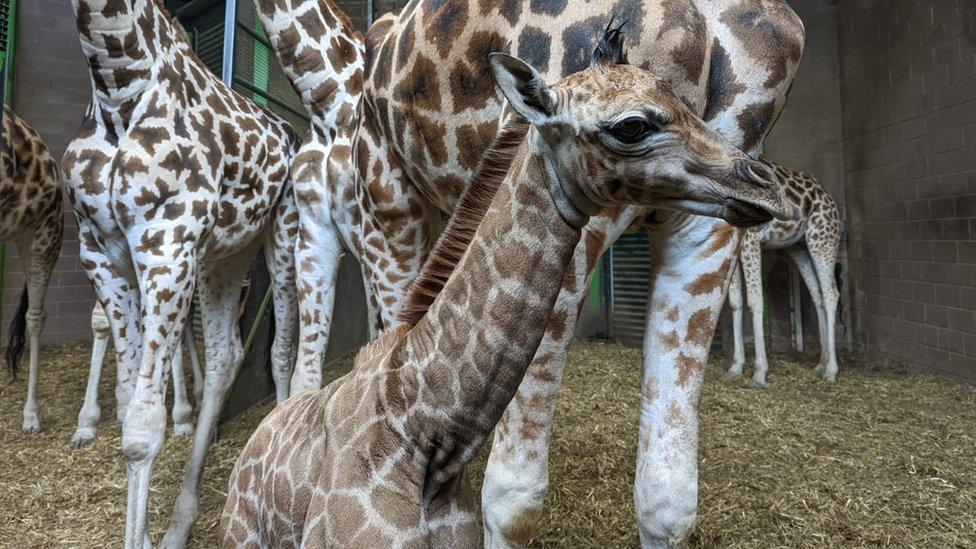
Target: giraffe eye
[{"x": 632, "y": 129}]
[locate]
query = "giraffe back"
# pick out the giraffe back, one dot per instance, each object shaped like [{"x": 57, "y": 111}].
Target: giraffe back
[{"x": 819, "y": 218}]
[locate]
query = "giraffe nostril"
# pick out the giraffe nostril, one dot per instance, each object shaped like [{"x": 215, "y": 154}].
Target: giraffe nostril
[{"x": 757, "y": 173}]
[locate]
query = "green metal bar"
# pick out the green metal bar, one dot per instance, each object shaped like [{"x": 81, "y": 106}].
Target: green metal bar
[
  {"x": 262, "y": 311},
  {"x": 596, "y": 288},
  {"x": 254, "y": 89},
  {"x": 10, "y": 62},
  {"x": 9, "y": 65},
  {"x": 260, "y": 71}
]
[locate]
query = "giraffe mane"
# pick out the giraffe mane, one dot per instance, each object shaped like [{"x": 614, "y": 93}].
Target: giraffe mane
[
  {"x": 471, "y": 209},
  {"x": 343, "y": 18},
  {"x": 171, "y": 18}
]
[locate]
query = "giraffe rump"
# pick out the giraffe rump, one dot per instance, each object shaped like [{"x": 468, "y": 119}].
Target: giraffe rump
[
  {"x": 471, "y": 209},
  {"x": 18, "y": 334}
]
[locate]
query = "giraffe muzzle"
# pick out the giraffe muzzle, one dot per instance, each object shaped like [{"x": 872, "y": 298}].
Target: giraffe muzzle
[{"x": 762, "y": 199}]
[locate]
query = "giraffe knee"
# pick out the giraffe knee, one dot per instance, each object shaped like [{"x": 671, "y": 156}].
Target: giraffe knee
[{"x": 35, "y": 321}]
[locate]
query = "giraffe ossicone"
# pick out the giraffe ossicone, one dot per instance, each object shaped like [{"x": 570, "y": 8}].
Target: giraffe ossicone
[{"x": 377, "y": 458}]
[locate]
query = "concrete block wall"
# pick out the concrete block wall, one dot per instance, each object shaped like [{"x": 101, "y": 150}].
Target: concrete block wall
[
  {"x": 51, "y": 94},
  {"x": 908, "y": 88}
]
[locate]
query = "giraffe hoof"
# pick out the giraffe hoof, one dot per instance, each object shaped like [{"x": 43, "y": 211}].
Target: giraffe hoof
[
  {"x": 731, "y": 375},
  {"x": 83, "y": 438},
  {"x": 32, "y": 425},
  {"x": 753, "y": 384},
  {"x": 820, "y": 370},
  {"x": 830, "y": 378},
  {"x": 182, "y": 429}
]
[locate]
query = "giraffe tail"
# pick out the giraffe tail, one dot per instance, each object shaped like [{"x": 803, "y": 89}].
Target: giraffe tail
[
  {"x": 840, "y": 283},
  {"x": 18, "y": 331}
]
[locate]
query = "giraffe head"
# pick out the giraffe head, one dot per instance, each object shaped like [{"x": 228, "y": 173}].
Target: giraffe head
[{"x": 616, "y": 134}]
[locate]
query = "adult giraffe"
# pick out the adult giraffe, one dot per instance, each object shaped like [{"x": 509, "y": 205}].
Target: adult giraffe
[
  {"x": 812, "y": 240},
  {"x": 176, "y": 181},
  {"x": 430, "y": 109},
  {"x": 32, "y": 217},
  {"x": 323, "y": 56}
]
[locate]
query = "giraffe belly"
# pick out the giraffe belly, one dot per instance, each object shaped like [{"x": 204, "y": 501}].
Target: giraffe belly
[{"x": 226, "y": 241}]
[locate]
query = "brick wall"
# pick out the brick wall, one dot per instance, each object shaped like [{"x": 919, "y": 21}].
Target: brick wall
[
  {"x": 52, "y": 91},
  {"x": 908, "y": 86}
]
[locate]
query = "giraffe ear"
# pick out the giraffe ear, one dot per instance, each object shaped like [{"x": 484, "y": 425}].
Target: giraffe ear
[{"x": 524, "y": 88}]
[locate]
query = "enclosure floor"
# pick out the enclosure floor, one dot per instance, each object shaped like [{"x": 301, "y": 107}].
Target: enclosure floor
[{"x": 885, "y": 457}]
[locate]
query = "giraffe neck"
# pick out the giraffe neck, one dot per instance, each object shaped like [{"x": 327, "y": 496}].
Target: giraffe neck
[
  {"x": 320, "y": 54},
  {"x": 481, "y": 332},
  {"x": 121, "y": 39}
]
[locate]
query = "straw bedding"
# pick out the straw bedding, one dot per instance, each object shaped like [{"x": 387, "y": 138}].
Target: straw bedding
[{"x": 885, "y": 457}]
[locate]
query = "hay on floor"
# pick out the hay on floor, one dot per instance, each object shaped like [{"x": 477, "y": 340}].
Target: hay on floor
[{"x": 885, "y": 457}]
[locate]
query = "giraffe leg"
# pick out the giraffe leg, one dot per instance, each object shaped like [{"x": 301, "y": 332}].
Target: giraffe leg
[
  {"x": 804, "y": 264},
  {"x": 165, "y": 272},
  {"x": 751, "y": 261},
  {"x": 692, "y": 259},
  {"x": 39, "y": 253},
  {"x": 118, "y": 298},
  {"x": 280, "y": 257},
  {"x": 182, "y": 410},
  {"x": 824, "y": 261},
  {"x": 517, "y": 474},
  {"x": 373, "y": 316},
  {"x": 735, "y": 305},
  {"x": 317, "y": 252},
  {"x": 219, "y": 291},
  {"x": 90, "y": 412},
  {"x": 190, "y": 345}
]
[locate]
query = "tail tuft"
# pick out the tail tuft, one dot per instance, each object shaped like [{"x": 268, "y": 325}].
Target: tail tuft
[{"x": 18, "y": 335}]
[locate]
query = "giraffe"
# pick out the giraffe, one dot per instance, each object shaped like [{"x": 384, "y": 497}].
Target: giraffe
[
  {"x": 90, "y": 413},
  {"x": 429, "y": 110},
  {"x": 176, "y": 182},
  {"x": 323, "y": 56},
  {"x": 813, "y": 240},
  {"x": 377, "y": 458},
  {"x": 31, "y": 217}
]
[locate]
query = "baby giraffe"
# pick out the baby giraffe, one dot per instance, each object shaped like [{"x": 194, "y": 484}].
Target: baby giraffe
[{"x": 377, "y": 458}]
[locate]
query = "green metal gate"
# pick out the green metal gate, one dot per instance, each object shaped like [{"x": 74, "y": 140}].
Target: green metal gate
[
  {"x": 630, "y": 273},
  {"x": 8, "y": 45}
]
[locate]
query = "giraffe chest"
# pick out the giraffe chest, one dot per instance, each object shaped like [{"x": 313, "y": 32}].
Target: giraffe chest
[{"x": 782, "y": 234}]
